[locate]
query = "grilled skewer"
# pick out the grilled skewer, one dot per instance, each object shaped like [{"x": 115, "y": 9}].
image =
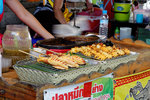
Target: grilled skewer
[{"x": 57, "y": 61}]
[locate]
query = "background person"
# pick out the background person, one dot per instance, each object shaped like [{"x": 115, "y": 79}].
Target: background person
[
  {"x": 26, "y": 17},
  {"x": 51, "y": 12}
]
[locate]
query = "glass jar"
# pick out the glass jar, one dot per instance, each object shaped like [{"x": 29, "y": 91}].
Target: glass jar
[{"x": 16, "y": 37}]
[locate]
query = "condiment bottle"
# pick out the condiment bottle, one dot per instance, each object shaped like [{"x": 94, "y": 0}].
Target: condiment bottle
[{"x": 117, "y": 33}]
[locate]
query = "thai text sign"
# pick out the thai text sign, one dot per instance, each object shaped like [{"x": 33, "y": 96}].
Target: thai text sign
[{"x": 98, "y": 89}]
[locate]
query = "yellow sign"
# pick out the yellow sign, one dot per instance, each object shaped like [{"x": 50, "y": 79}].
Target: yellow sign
[{"x": 133, "y": 87}]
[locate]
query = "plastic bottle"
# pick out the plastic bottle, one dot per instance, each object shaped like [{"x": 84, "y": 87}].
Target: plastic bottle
[
  {"x": 117, "y": 33},
  {"x": 103, "y": 27}
]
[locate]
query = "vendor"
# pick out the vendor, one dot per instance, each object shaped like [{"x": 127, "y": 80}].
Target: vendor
[
  {"x": 135, "y": 5},
  {"x": 25, "y": 16},
  {"x": 51, "y": 12}
]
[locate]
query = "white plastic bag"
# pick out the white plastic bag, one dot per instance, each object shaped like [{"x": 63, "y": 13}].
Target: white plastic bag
[
  {"x": 63, "y": 30},
  {"x": 146, "y": 5},
  {"x": 81, "y": 22}
]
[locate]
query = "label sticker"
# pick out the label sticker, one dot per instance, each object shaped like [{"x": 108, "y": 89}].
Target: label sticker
[{"x": 120, "y": 8}]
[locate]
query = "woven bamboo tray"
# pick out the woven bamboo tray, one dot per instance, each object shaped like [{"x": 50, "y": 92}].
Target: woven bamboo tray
[
  {"x": 32, "y": 72},
  {"x": 113, "y": 63}
]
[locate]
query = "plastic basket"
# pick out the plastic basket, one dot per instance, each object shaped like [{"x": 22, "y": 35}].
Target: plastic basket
[{"x": 144, "y": 35}]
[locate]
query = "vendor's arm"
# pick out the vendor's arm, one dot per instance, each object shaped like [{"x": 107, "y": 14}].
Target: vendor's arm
[
  {"x": 28, "y": 18},
  {"x": 57, "y": 11}
]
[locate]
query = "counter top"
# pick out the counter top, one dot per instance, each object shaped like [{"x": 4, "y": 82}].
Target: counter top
[{"x": 12, "y": 88}]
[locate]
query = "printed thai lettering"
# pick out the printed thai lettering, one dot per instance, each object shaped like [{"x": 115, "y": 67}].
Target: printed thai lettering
[
  {"x": 56, "y": 97},
  {"x": 61, "y": 97},
  {"x": 106, "y": 96},
  {"x": 94, "y": 90},
  {"x": 102, "y": 97},
  {"x": 70, "y": 95},
  {"x": 97, "y": 88},
  {"x": 77, "y": 93},
  {"x": 100, "y": 88},
  {"x": 80, "y": 92},
  {"x": 53, "y": 98},
  {"x": 65, "y": 96}
]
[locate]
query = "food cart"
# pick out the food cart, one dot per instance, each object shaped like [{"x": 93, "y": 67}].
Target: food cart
[
  {"x": 98, "y": 78},
  {"x": 32, "y": 85}
]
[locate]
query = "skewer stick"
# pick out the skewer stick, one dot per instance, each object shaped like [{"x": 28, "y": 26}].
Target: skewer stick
[
  {"x": 51, "y": 51},
  {"x": 37, "y": 51},
  {"x": 28, "y": 53}
]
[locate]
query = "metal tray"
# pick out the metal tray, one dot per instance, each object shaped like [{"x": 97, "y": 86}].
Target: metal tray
[{"x": 67, "y": 42}]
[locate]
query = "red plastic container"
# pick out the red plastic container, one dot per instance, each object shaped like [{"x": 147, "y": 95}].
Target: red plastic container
[
  {"x": 93, "y": 19},
  {"x": 58, "y": 51},
  {"x": 1, "y": 36}
]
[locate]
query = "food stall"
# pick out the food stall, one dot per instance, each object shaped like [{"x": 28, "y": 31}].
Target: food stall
[
  {"x": 81, "y": 67},
  {"x": 29, "y": 83}
]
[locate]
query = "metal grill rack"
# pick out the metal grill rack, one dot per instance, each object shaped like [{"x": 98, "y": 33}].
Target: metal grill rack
[{"x": 30, "y": 71}]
